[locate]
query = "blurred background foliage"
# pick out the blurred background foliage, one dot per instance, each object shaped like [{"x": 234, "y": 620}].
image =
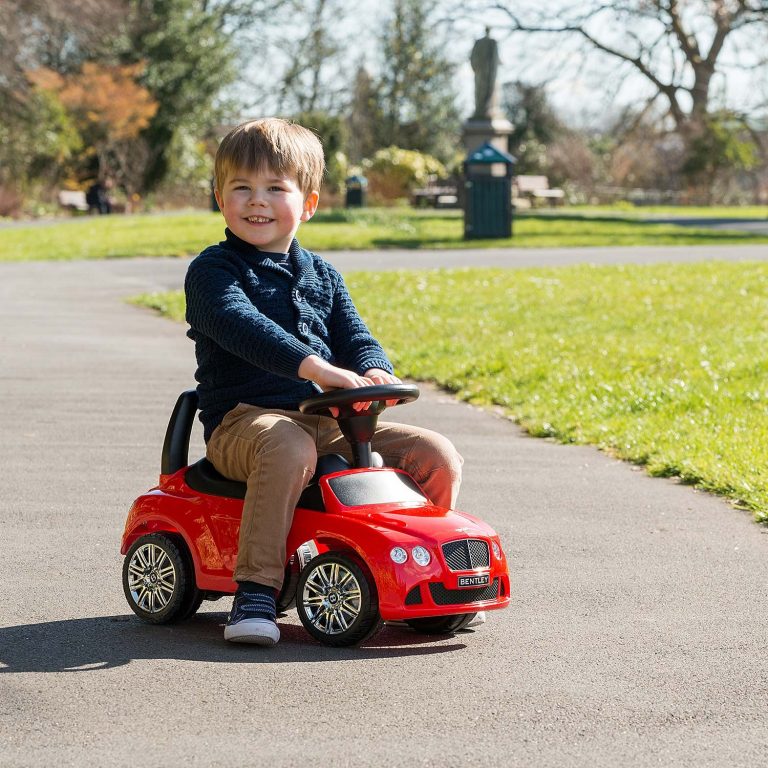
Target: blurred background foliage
[{"x": 139, "y": 92}]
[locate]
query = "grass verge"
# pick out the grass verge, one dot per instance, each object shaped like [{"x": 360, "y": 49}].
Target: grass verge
[
  {"x": 187, "y": 234},
  {"x": 684, "y": 211},
  {"x": 662, "y": 365}
]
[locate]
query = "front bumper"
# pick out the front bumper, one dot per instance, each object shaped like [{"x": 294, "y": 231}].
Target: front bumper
[{"x": 408, "y": 591}]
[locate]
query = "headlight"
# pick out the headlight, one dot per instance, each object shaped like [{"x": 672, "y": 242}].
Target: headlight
[
  {"x": 398, "y": 555},
  {"x": 421, "y": 556},
  {"x": 496, "y": 550}
]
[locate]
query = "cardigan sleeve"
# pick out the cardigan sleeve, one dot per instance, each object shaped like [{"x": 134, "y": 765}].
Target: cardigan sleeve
[
  {"x": 218, "y": 308},
  {"x": 353, "y": 345}
]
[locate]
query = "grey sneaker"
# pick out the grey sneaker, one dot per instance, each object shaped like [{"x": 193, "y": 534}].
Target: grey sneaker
[{"x": 252, "y": 620}]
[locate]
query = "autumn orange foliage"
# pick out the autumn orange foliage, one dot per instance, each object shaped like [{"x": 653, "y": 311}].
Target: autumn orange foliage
[{"x": 107, "y": 97}]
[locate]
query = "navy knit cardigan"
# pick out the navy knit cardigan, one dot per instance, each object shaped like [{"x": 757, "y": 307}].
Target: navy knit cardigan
[{"x": 253, "y": 321}]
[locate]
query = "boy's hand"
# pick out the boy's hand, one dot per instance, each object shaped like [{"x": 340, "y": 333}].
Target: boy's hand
[
  {"x": 379, "y": 376},
  {"x": 328, "y": 376}
]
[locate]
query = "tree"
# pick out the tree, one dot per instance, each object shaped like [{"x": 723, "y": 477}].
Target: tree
[
  {"x": 39, "y": 148},
  {"x": 363, "y": 117},
  {"x": 416, "y": 86},
  {"x": 313, "y": 79},
  {"x": 38, "y": 139},
  {"x": 49, "y": 33},
  {"x": 544, "y": 144},
  {"x": 185, "y": 47},
  {"x": 536, "y": 125},
  {"x": 108, "y": 102},
  {"x": 189, "y": 58},
  {"x": 332, "y": 132},
  {"x": 724, "y": 144},
  {"x": 109, "y": 109},
  {"x": 639, "y": 156},
  {"x": 676, "y": 46}
]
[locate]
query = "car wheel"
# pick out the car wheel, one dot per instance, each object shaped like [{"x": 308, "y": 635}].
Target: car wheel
[
  {"x": 194, "y": 600},
  {"x": 337, "y": 602},
  {"x": 441, "y": 625},
  {"x": 159, "y": 580}
]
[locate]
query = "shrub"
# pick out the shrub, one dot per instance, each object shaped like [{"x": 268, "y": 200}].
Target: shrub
[{"x": 393, "y": 172}]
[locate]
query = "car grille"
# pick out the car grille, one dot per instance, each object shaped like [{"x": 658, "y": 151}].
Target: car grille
[
  {"x": 414, "y": 596},
  {"x": 444, "y": 596},
  {"x": 466, "y": 554}
]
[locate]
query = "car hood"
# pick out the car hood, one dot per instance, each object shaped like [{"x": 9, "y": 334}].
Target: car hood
[{"x": 430, "y": 521}]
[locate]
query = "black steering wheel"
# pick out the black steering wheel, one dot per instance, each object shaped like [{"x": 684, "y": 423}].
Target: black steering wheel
[{"x": 378, "y": 394}]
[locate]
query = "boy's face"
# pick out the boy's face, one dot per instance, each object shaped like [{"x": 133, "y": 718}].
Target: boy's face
[{"x": 265, "y": 209}]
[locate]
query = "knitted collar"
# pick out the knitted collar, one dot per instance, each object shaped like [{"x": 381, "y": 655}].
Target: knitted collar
[{"x": 299, "y": 258}]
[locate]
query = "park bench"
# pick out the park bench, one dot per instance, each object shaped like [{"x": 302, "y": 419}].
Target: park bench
[
  {"x": 442, "y": 196},
  {"x": 530, "y": 191},
  {"x": 527, "y": 192},
  {"x": 72, "y": 199}
]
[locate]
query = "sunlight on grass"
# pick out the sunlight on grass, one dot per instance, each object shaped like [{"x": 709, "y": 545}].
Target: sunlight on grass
[
  {"x": 663, "y": 365},
  {"x": 187, "y": 234}
]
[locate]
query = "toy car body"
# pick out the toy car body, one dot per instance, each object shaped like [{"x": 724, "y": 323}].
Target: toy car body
[{"x": 365, "y": 545}]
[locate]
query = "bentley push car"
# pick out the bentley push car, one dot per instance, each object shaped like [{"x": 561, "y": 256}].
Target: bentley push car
[{"x": 366, "y": 546}]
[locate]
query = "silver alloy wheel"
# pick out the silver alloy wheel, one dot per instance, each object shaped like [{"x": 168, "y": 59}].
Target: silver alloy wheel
[
  {"x": 151, "y": 578},
  {"x": 331, "y": 598}
]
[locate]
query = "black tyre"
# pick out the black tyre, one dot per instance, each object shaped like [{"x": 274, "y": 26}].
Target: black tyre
[
  {"x": 337, "y": 601},
  {"x": 441, "y": 625},
  {"x": 194, "y": 604},
  {"x": 159, "y": 580}
]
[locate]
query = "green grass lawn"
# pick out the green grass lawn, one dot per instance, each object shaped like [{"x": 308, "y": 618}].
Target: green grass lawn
[
  {"x": 185, "y": 234},
  {"x": 663, "y": 365},
  {"x": 687, "y": 211}
]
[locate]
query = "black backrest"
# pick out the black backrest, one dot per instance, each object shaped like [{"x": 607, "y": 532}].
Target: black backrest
[{"x": 176, "y": 443}]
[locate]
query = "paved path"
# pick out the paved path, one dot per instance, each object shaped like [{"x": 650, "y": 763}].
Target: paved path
[
  {"x": 753, "y": 226},
  {"x": 543, "y": 257},
  {"x": 636, "y": 636}
]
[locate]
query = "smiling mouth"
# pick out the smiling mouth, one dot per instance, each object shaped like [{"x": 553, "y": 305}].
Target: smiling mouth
[{"x": 258, "y": 219}]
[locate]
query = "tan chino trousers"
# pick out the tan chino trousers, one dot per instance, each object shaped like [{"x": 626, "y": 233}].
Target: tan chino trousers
[{"x": 275, "y": 453}]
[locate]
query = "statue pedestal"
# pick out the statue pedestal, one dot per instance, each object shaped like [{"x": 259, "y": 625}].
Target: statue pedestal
[{"x": 495, "y": 131}]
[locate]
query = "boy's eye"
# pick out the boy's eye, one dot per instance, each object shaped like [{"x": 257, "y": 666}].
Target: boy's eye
[{"x": 275, "y": 188}]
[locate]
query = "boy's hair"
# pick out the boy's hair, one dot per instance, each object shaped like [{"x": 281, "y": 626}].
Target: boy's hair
[{"x": 272, "y": 144}]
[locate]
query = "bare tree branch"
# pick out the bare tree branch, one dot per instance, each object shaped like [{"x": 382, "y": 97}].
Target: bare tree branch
[{"x": 662, "y": 40}]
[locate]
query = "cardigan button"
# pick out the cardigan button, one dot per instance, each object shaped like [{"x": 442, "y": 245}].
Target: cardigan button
[
  {"x": 304, "y": 328},
  {"x": 297, "y": 295}
]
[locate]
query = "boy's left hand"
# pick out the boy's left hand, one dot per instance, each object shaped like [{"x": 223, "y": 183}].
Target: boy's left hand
[{"x": 380, "y": 376}]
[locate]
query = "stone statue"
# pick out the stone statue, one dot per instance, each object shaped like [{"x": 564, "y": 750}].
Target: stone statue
[{"x": 485, "y": 63}]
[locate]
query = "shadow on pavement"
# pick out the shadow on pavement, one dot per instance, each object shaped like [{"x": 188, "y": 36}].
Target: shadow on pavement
[{"x": 103, "y": 642}]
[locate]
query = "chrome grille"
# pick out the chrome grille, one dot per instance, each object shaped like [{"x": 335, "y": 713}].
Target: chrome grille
[{"x": 466, "y": 554}]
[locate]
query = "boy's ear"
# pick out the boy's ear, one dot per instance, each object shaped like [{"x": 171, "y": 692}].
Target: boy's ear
[
  {"x": 219, "y": 201},
  {"x": 310, "y": 205}
]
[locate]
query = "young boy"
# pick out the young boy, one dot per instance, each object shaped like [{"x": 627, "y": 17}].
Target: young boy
[{"x": 270, "y": 321}]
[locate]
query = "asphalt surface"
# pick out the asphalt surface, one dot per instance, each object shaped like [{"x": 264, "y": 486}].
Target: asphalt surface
[
  {"x": 636, "y": 635},
  {"x": 753, "y": 226}
]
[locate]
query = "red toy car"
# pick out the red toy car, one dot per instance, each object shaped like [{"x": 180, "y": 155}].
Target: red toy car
[{"x": 365, "y": 546}]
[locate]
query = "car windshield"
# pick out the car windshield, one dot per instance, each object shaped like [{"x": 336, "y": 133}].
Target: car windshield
[{"x": 362, "y": 488}]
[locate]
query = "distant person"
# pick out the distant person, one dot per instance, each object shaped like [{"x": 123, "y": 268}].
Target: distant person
[
  {"x": 273, "y": 323},
  {"x": 97, "y": 198}
]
